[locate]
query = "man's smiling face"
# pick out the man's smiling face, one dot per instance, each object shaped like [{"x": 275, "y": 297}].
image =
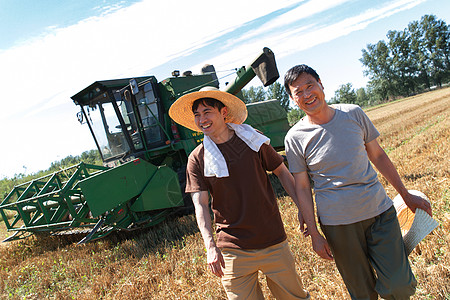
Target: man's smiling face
[
  {"x": 210, "y": 120},
  {"x": 308, "y": 94}
]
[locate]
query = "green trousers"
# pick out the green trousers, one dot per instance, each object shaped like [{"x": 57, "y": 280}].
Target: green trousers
[{"x": 371, "y": 257}]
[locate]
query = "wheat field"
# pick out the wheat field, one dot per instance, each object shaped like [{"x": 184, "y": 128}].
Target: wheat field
[{"x": 169, "y": 260}]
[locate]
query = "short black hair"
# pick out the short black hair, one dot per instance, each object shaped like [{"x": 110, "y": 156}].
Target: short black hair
[
  {"x": 207, "y": 102},
  {"x": 293, "y": 73}
]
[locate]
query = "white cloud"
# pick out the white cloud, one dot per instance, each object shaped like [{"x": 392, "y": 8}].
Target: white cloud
[
  {"x": 125, "y": 42},
  {"x": 292, "y": 41},
  {"x": 289, "y": 39}
]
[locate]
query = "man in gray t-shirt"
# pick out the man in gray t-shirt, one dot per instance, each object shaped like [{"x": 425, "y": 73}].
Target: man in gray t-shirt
[{"x": 333, "y": 146}]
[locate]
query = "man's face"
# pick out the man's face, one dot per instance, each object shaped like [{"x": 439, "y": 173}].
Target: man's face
[
  {"x": 308, "y": 94},
  {"x": 210, "y": 120}
]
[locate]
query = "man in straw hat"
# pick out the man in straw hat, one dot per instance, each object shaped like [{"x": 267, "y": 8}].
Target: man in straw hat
[
  {"x": 333, "y": 146},
  {"x": 231, "y": 165}
]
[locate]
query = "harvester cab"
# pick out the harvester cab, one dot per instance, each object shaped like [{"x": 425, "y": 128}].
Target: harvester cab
[{"x": 144, "y": 155}]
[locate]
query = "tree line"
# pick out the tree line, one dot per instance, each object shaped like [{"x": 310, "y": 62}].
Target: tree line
[{"x": 411, "y": 61}]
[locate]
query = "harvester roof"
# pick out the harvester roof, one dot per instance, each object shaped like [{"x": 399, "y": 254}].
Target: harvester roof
[{"x": 91, "y": 92}]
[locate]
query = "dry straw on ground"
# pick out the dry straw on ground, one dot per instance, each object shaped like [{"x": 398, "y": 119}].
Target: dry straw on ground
[{"x": 168, "y": 261}]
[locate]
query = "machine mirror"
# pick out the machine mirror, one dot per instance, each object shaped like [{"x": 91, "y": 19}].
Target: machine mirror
[
  {"x": 134, "y": 86},
  {"x": 80, "y": 117}
]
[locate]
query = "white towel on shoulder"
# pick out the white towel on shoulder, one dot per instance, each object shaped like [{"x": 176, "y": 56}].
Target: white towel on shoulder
[{"x": 214, "y": 161}]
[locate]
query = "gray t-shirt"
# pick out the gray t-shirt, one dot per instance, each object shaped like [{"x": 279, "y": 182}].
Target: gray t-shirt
[{"x": 346, "y": 186}]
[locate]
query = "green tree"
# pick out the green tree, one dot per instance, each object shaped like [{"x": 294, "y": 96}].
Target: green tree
[
  {"x": 254, "y": 94},
  {"x": 362, "y": 97},
  {"x": 412, "y": 60},
  {"x": 419, "y": 55},
  {"x": 404, "y": 70},
  {"x": 377, "y": 61},
  {"x": 277, "y": 91},
  {"x": 436, "y": 44},
  {"x": 294, "y": 115},
  {"x": 345, "y": 94}
]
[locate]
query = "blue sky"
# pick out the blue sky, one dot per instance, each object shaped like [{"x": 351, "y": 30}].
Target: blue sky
[{"x": 50, "y": 50}]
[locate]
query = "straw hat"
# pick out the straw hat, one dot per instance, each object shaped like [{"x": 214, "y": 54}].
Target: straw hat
[
  {"x": 414, "y": 226},
  {"x": 181, "y": 110}
]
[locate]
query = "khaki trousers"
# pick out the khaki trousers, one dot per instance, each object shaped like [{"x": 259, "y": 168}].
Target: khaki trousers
[{"x": 240, "y": 278}]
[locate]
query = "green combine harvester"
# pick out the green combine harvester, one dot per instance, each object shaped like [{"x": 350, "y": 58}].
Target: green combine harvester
[{"x": 144, "y": 152}]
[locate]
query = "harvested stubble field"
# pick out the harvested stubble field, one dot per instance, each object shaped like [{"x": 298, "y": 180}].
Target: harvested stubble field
[{"x": 168, "y": 261}]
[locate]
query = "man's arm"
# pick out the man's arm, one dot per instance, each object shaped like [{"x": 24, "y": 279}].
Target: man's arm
[
  {"x": 304, "y": 195},
  {"x": 288, "y": 183},
  {"x": 382, "y": 162},
  {"x": 214, "y": 256}
]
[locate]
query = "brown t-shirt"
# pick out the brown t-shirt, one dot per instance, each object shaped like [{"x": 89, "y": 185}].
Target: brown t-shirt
[{"x": 244, "y": 204}]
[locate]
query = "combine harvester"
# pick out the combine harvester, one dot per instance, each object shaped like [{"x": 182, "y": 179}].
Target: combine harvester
[{"x": 144, "y": 154}]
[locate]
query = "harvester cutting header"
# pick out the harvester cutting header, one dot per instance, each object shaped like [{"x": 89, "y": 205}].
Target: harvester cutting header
[{"x": 144, "y": 156}]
